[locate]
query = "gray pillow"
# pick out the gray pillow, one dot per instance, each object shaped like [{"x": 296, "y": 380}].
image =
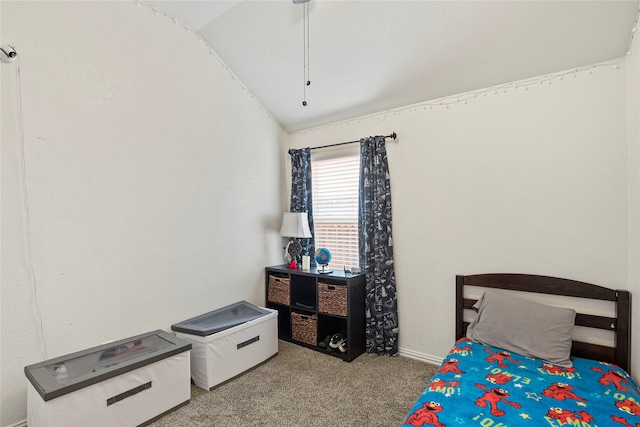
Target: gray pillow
[{"x": 524, "y": 327}]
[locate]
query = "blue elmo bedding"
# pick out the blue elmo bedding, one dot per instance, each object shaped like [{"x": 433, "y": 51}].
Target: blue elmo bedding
[{"x": 479, "y": 385}]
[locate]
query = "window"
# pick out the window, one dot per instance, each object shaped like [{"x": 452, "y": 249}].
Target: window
[{"x": 335, "y": 183}]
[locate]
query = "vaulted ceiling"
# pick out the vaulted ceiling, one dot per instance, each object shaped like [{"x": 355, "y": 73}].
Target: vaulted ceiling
[{"x": 371, "y": 56}]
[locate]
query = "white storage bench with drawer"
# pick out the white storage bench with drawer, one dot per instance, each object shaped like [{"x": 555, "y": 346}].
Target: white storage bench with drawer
[
  {"x": 124, "y": 383},
  {"x": 228, "y": 341}
]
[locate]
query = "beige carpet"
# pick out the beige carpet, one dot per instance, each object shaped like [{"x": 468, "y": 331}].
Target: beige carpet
[{"x": 302, "y": 387}]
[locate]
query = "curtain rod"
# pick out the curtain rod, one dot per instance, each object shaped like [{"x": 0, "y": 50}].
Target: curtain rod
[{"x": 393, "y": 135}]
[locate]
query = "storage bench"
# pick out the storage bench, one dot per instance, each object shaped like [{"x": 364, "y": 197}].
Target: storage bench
[
  {"x": 228, "y": 341},
  {"x": 124, "y": 383}
]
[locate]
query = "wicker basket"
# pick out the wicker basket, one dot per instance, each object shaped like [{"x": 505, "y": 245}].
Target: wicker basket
[
  {"x": 278, "y": 290},
  {"x": 332, "y": 299},
  {"x": 304, "y": 328}
]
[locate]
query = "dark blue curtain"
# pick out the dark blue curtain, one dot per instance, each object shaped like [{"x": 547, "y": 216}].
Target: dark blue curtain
[
  {"x": 376, "y": 248},
  {"x": 301, "y": 200}
]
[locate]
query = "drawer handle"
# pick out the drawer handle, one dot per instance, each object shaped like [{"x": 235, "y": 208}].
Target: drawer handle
[
  {"x": 129, "y": 393},
  {"x": 247, "y": 342}
]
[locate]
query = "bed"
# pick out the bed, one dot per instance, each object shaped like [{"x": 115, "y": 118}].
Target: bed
[{"x": 518, "y": 359}]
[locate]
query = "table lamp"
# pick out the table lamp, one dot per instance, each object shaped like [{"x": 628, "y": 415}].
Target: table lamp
[{"x": 295, "y": 225}]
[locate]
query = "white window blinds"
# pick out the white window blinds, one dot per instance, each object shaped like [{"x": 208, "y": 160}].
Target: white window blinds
[{"x": 335, "y": 207}]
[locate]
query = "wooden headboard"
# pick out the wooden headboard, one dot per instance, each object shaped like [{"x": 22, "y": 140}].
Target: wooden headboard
[{"x": 619, "y": 353}]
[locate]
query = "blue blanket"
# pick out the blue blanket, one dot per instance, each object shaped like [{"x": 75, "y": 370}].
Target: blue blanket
[{"x": 479, "y": 385}]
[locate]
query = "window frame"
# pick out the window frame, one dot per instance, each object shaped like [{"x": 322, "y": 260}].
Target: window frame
[{"x": 331, "y": 153}]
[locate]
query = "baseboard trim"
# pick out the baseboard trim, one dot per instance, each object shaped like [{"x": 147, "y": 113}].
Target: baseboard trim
[
  {"x": 411, "y": 354},
  {"x": 22, "y": 423}
]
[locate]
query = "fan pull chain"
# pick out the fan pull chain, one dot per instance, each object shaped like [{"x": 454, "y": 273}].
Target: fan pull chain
[{"x": 305, "y": 48}]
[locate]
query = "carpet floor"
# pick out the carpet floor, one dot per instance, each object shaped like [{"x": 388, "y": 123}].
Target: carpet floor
[{"x": 302, "y": 387}]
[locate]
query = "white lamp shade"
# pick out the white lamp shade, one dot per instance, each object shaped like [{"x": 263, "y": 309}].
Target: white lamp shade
[{"x": 295, "y": 224}]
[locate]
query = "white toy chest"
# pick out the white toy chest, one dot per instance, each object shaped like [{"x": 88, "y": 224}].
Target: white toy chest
[
  {"x": 125, "y": 383},
  {"x": 228, "y": 341}
]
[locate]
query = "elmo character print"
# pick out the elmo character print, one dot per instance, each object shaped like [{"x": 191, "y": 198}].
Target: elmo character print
[
  {"x": 451, "y": 365},
  {"x": 498, "y": 378},
  {"x": 561, "y": 391},
  {"x": 426, "y": 415},
  {"x": 569, "y": 417},
  {"x": 556, "y": 370},
  {"x": 623, "y": 421},
  {"x": 612, "y": 376},
  {"x": 500, "y": 357},
  {"x": 492, "y": 398},
  {"x": 629, "y": 406}
]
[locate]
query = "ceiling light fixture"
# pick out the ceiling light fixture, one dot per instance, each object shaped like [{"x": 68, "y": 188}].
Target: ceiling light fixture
[{"x": 305, "y": 47}]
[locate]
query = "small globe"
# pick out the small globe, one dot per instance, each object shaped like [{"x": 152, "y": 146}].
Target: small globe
[{"x": 323, "y": 256}]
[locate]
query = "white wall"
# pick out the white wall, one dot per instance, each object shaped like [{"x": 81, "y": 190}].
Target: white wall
[
  {"x": 152, "y": 190},
  {"x": 520, "y": 181},
  {"x": 633, "y": 138}
]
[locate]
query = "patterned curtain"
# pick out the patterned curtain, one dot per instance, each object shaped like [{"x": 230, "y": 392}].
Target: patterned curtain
[
  {"x": 376, "y": 248},
  {"x": 301, "y": 200}
]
